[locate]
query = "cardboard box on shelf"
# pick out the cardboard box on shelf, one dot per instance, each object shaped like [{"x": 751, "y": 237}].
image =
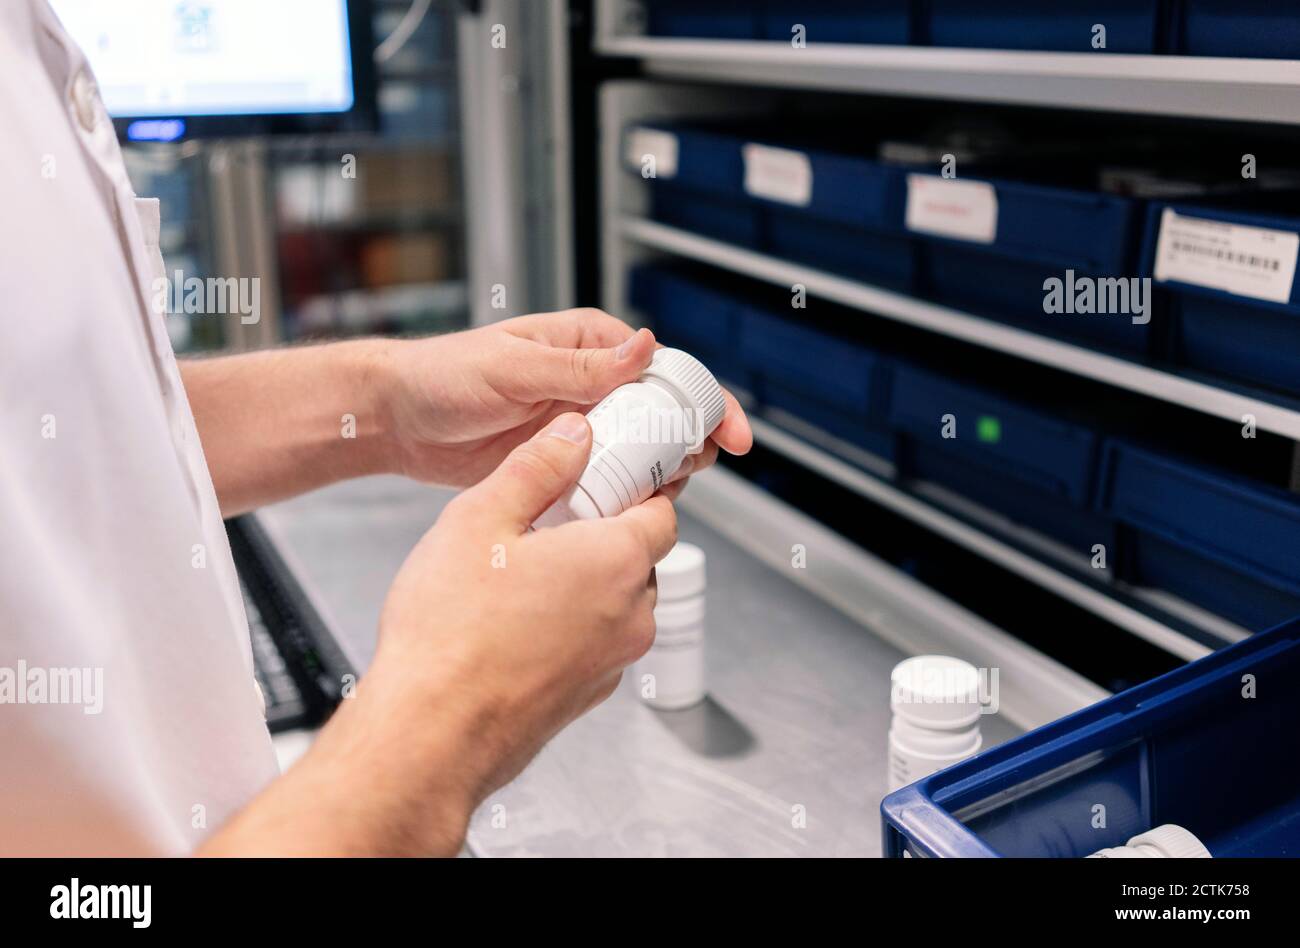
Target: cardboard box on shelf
[
  {"x": 406, "y": 180},
  {"x": 396, "y": 259}
]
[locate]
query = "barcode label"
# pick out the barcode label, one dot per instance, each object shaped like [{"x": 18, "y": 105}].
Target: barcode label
[
  {"x": 1248, "y": 261},
  {"x": 653, "y": 141},
  {"x": 947, "y": 207},
  {"x": 778, "y": 174}
]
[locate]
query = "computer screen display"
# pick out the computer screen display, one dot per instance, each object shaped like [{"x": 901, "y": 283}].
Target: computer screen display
[{"x": 194, "y": 58}]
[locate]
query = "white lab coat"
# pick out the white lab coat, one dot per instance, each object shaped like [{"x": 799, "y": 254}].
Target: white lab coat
[{"x": 113, "y": 559}]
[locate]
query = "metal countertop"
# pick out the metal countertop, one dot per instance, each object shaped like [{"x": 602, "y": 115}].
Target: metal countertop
[{"x": 786, "y": 757}]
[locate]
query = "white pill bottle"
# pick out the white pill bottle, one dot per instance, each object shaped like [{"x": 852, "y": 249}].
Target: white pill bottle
[
  {"x": 671, "y": 675},
  {"x": 641, "y": 433},
  {"x": 1164, "y": 842},
  {"x": 936, "y": 723}
]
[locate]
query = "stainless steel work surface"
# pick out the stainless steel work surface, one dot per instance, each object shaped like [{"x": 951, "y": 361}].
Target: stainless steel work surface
[{"x": 786, "y": 756}]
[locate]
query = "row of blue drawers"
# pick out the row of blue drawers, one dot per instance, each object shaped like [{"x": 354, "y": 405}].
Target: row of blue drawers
[
  {"x": 1223, "y": 542},
  {"x": 1250, "y": 28},
  {"x": 851, "y": 218}
]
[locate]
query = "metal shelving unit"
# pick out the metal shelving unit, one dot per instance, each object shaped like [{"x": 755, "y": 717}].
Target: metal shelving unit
[
  {"x": 1259, "y": 90},
  {"x": 629, "y": 236}
]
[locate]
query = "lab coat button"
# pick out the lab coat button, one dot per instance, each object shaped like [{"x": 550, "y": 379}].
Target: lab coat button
[{"x": 84, "y": 100}]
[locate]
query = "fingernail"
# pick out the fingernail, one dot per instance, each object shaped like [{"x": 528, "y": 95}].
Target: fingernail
[
  {"x": 570, "y": 427},
  {"x": 628, "y": 344}
]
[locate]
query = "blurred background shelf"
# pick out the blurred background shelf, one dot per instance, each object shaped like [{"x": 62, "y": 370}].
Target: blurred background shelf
[{"x": 1193, "y": 87}]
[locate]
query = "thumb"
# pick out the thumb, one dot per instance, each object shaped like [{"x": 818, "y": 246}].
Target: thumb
[
  {"x": 535, "y": 474},
  {"x": 584, "y": 376}
]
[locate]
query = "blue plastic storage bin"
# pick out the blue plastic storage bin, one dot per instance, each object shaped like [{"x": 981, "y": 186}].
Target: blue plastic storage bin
[
  {"x": 702, "y": 212},
  {"x": 884, "y": 22},
  {"x": 846, "y": 188},
  {"x": 1222, "y": 542},
  {"x": 882, "y": 259},
  {"x": 1254, "y": 341},
  {"x": 1132, "y": 26},
  {"x": 705, "y": 192},
  {"x": 828, "y": 382},
  {"x": 1034, "y": 468},
  {"x": 1257, "y": 29},
  {"x": 703, "y": 19},
  {"x": 1184, "y": 748},
  {"x": 691, "y": 315},
  {"x": 1043, "y": 232},
  {"x": 852, "y": 223}
]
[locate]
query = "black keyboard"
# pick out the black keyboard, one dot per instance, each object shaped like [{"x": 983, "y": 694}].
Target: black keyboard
[{"x": 297, "y": 662}]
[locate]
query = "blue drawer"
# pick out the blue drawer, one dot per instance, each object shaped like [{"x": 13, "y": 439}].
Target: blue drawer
[
  {"x": 865, "y": 431},
  {"x": 1264, "y": 29},
  {"x": 689, "y": 314},
  {"x": 1207, "y": 536},
  {"x": 1132, "y": 26},
  {"x": 1251, "y": 342},
  {"x": 888, "y": 260},
  {"x": 705, "y": 160},
  {"x": 1149, "y": 559},
  {"x": 1255, "y": 341},
  {"x": 1183, "y": 748},
  {"x": 1062, "y": 227},
  {"x": 1042, "y": 232},
  {"x": 852, "y": 223},
  {"x": 1029, "y": 447},
  {"x": 1078, "y": 528},
  {"x": 707, "y": 19},
  {"x": 831, "y": 371},
  {"x": 701, "y": 212},
  {"x": 846, "y": 189},
  {"x": 886, "y": 22},
  {"x": 1011, "y": 291},
  {"x": 701, "y": 187}
]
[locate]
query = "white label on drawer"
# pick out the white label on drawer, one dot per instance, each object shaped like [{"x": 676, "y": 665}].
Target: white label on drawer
[
  {"x": 778, "y": 174},
  {"x": 1248, "y": 261},
  {"x": 655, "y": 142},
  {"x": 947, "y": 207}
]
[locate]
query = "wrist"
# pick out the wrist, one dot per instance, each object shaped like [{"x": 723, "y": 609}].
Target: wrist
[
  {"x": 372, "y": 380},
  {"x": 410, "y": 760}
]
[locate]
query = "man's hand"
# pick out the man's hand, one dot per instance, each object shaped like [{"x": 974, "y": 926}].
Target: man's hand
[
  {"x": 493, "y": 638},
  {"x": 442, "y": 410},
  {"x": 460, "y": 403}
]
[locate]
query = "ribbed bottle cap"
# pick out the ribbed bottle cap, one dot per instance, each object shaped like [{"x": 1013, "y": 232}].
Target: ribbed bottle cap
[
  {"x": 1172, "y": 841},
  {"x": 680, "y": 574},
  {"x": 935, "y": 691},
  {"x": 698, "y": 387}
]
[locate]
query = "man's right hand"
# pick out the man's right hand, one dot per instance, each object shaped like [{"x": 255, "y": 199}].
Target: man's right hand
[
  {"x": 531, "y": 629},
  {"x": 492, "y": 639}
]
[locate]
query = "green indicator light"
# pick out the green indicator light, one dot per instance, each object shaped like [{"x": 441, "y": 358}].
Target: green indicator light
[{"x": 988, "y": 429}]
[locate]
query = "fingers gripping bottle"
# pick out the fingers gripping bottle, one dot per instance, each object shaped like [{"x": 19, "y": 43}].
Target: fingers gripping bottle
[{"x": 641, "y": 433}]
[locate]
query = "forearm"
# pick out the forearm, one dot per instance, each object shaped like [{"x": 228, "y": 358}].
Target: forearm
[
  {"x": 375, "y": 783},
  {"x": 279, "y": 423}
]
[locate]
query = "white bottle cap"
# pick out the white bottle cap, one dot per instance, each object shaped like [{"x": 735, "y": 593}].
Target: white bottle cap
[
  {"x": 935, "y": 691},
  {"x": 1172, "y": 842},
  {"x": 680, "y": 574},
  {"x": 700, "y": 390}
]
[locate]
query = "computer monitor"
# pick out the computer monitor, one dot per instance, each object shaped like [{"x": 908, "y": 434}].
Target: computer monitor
[{"x": 170, "y": 69}]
